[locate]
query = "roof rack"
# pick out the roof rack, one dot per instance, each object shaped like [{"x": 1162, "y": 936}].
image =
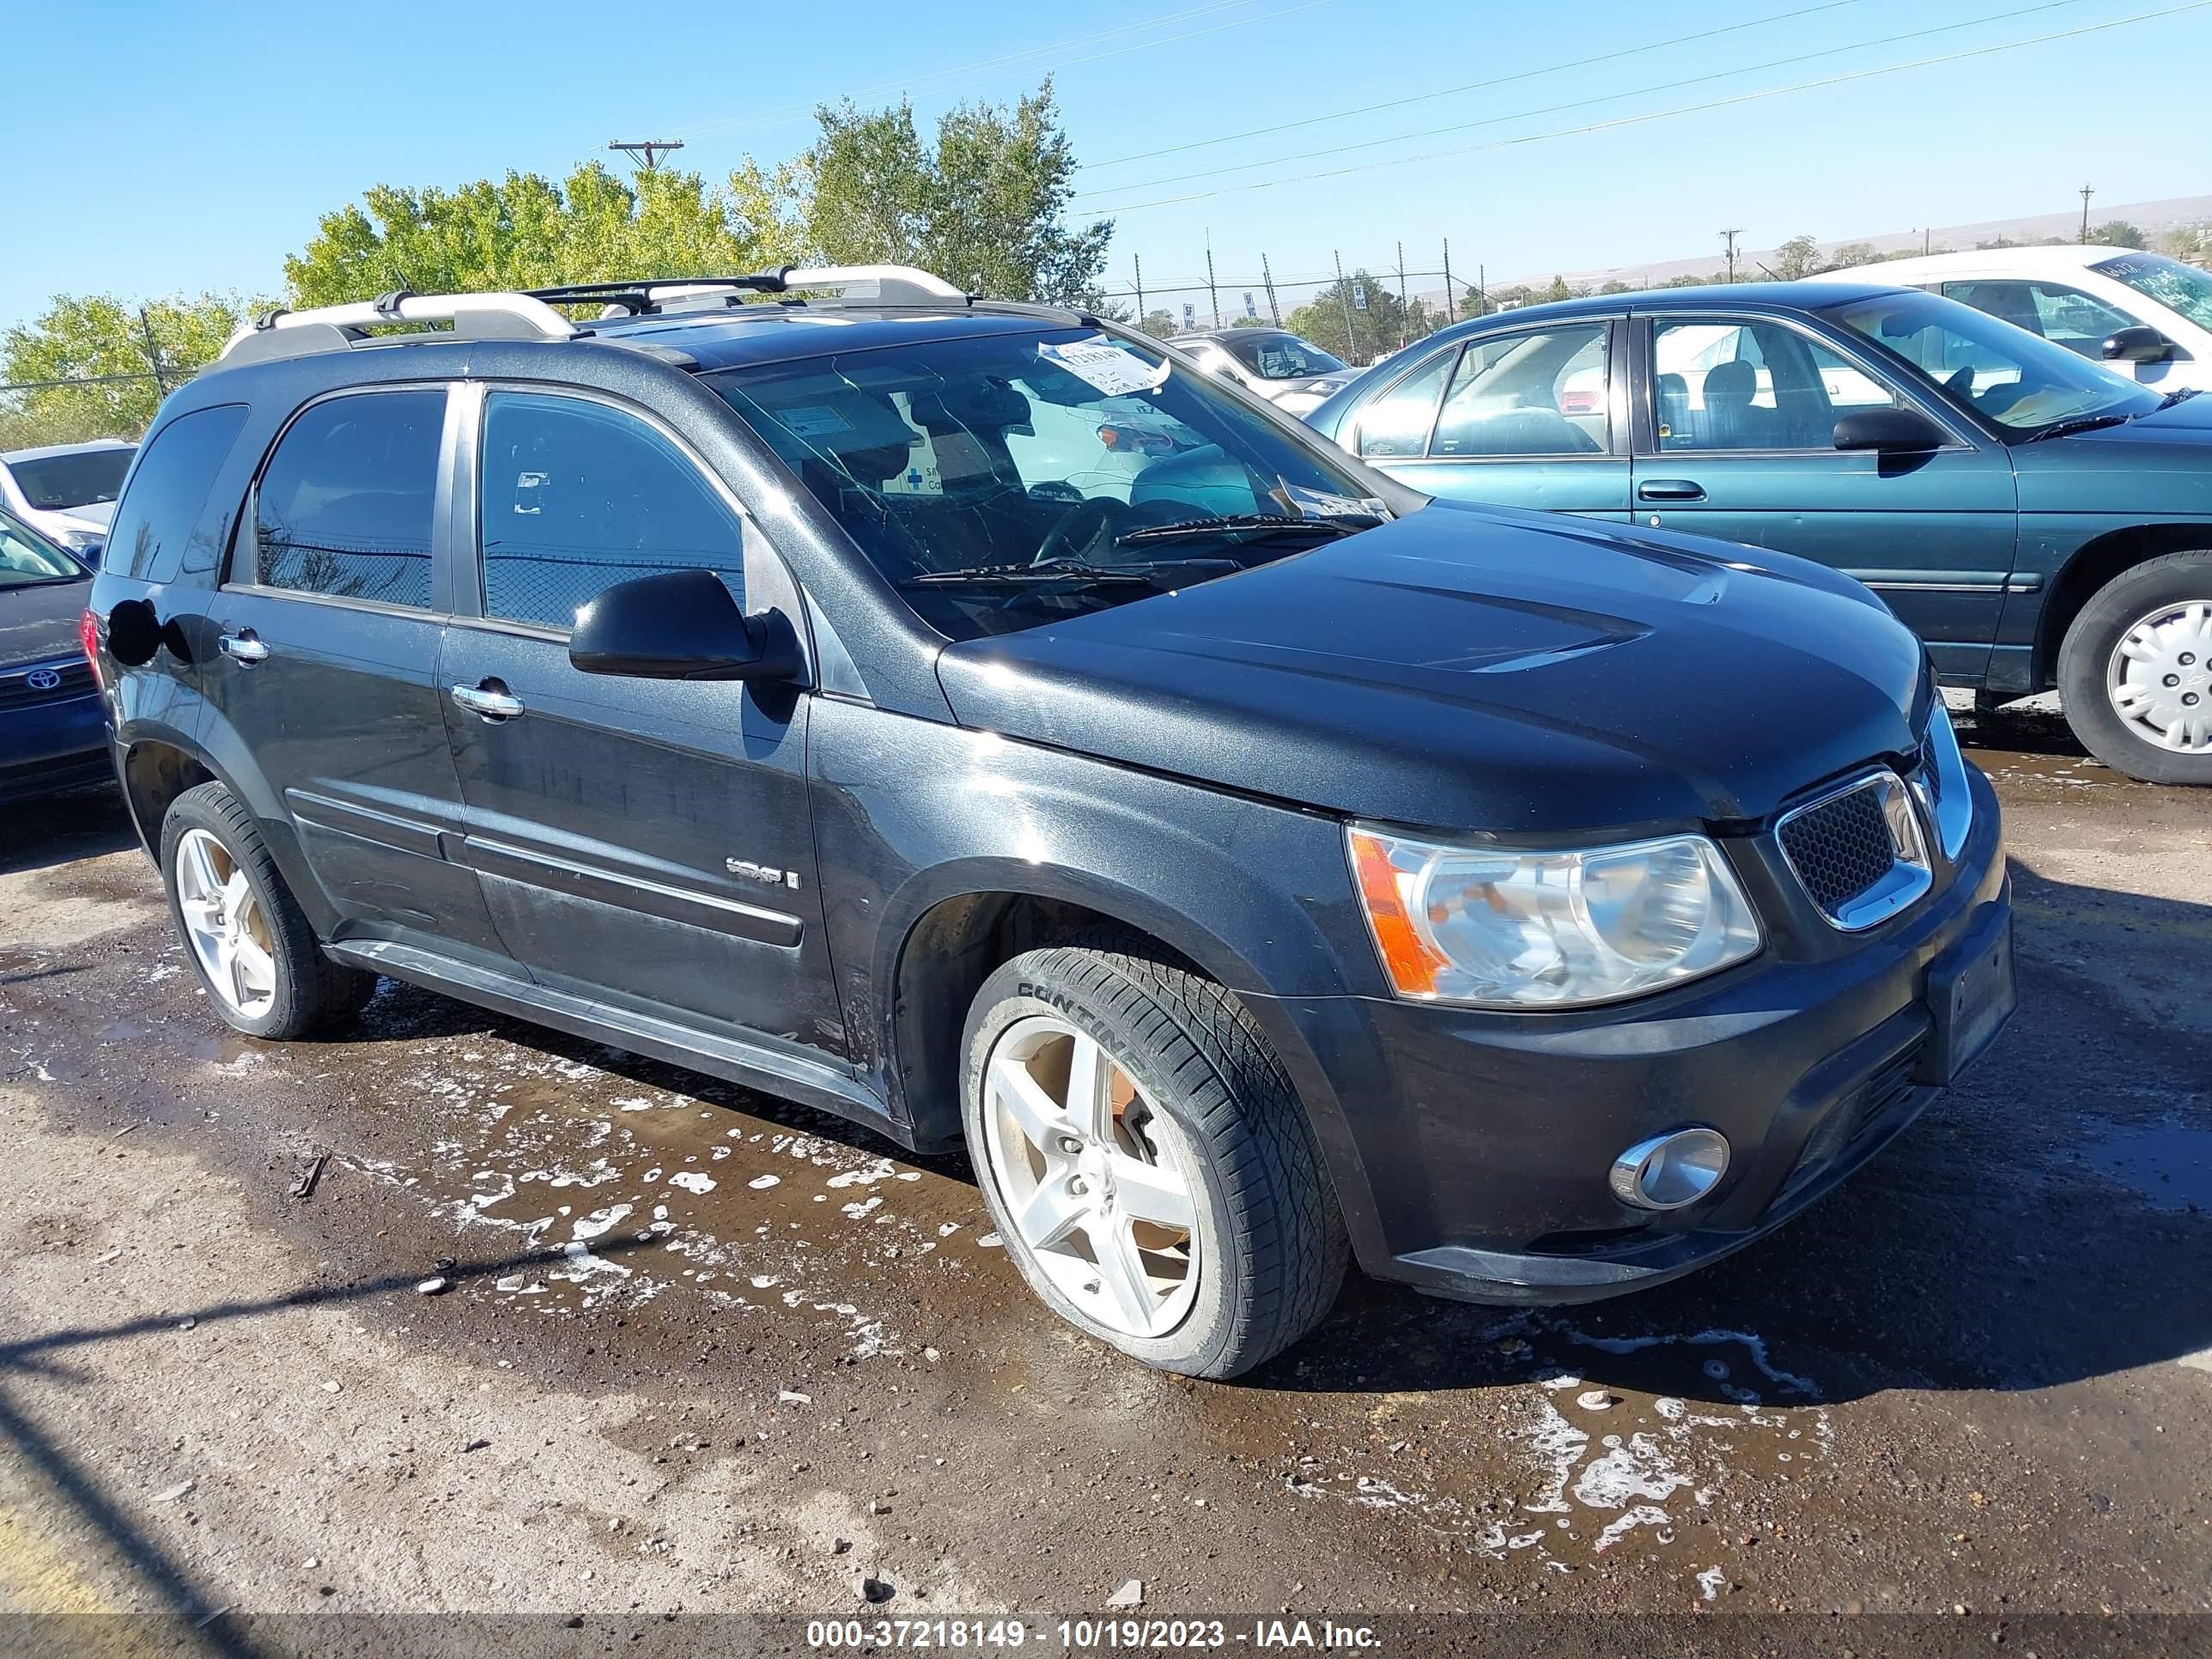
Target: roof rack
[{"x": 530, "y": 316}]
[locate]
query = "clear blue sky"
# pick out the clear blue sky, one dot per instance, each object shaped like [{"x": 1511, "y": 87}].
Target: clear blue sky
[{"x": 180, "y": 147}]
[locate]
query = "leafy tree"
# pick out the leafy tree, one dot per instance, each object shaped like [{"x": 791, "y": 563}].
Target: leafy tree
[
  {"x": 1160, "y": 325},
  {"x": 1251, "y": 322},
  {"x": 2118, "y": 232},
  {"x": 984, "y": 206},
  {"x": 1615, "y": 288},
  {"x": 2190, "y": 242},
  {"x": 111, "y": 350},
  {"x": 1798, "y": 257},
  {"x": 1383, "y": 326},
  {"x": 1853, "y": 254}
]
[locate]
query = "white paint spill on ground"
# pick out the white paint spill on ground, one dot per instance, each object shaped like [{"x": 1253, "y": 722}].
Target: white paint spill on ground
[
  {"x": 692, "y": 1183},
  {"x": 1710, "y": 1581}
]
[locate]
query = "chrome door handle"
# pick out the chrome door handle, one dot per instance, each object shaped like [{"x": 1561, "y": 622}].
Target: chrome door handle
[
  {"x": 492, "y": 705},
  {"x": 242, "y": 647},
  {"x": 1670, "y": 490}
]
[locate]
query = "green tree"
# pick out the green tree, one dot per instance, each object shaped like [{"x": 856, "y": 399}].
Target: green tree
[
  {"x": 1160, "y": 325},
  {"x": 2117, "y": 233},
  {"x": 984, "y": 206},
  {"x": 2192, "y": 243},
  {"x": 1798, "y": 257},
  {"x": 108, "y": 350},
  {"x": 1853, "y": 254},
  {"x": 1382, "y": 324}
]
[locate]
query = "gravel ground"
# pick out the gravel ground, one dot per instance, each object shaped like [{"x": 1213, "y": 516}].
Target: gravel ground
[{"x": 701, "y": 1351}]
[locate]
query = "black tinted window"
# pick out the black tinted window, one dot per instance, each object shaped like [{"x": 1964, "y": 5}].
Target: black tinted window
[
  {"x": 81, "y": 477},
  {"x": 345, "y": 505},
  {"x": 578, "y": 496},
  {"x": 171, "y": 488}
]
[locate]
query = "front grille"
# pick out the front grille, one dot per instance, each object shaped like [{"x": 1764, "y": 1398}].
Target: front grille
[
  {"x": 1840, "y": 848},
  {"x": 16, "y": 691}
]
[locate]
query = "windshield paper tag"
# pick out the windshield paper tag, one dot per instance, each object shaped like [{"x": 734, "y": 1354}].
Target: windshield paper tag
[
  {"x": 1320, "y": 504},
  {"x": 1107, "y": 367},
  {"x": 813, "y": 421}
]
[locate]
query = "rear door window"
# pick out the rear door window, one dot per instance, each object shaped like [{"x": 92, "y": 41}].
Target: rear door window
[
  {"x": 167, "y": 495},
  {"x": 1396, "y": 425},
  {"x": 344, "y": 507}
]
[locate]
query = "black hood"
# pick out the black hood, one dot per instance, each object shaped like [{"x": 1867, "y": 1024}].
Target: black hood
[
  {"x": 39, "y": 621},
  {"x": 1472, "y": 669}
]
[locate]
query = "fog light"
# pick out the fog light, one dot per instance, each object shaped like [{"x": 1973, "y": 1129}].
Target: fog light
[{"x": 1669, "y": 1170}]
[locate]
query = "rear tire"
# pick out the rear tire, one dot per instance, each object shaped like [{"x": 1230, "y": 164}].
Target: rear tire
[
  {"x": 245, "y": 935},
  {"x": 2135, "y": 672},
  {"x": 1189, "y": 1117}
]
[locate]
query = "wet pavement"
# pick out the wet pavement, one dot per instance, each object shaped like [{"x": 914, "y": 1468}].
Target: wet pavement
[{"x": 695, "y": 1339}]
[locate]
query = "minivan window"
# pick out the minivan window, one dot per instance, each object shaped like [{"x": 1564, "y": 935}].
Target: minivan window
[
  {"x": 344, "y": 506},
  {"x": 158, "y": 517},
  {"x": 1008, "y": 480},
  {"x": 578, "y": 496}
]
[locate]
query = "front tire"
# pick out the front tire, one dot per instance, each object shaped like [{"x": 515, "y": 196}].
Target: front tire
[
  {"x": 245, "y": 936},
  {"x": 2136, "y": 670},
  {"x": 1148, "y": 1166}
]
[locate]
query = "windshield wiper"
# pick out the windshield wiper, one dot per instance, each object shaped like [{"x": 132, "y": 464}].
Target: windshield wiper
[
  {"x": 1152, "y": 574},
  {"x": 2076, "y": 423},
  {"x": 1246, "y": 524}
]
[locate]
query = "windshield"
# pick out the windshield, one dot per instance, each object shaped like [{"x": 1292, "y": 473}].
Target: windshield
[
  {"x": 2177, "y": 287},
  {"x": 1276, "y": 357},
  {"x": 2006, "y": 374},
  {"x": 54, "y": 484},
  {"x": 27, "y": 562},
  {"x": 1006, "y": 481}
]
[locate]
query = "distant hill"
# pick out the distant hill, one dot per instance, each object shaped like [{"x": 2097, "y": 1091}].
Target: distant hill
[{"x": 2149, "y": 217}]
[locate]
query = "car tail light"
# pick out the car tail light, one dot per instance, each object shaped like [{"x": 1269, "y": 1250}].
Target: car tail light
[{"x": 88, "y": 636}]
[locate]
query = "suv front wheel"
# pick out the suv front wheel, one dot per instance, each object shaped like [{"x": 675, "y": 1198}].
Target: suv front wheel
[
  {"x": 247, "y": 940},
  {"x": 2136, "y": 670},
  {"x": 1148, "y": 1166}
]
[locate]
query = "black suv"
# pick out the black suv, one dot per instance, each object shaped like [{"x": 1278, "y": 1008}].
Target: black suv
[{"x": 972, "y": 719}]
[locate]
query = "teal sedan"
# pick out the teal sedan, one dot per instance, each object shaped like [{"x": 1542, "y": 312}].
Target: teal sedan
[{"x": 2040, "y": 521}]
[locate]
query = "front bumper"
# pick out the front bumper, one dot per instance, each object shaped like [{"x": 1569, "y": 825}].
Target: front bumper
[
  {"x": 50, "y": 746},
  {"x": 1477, "y": 1145}
]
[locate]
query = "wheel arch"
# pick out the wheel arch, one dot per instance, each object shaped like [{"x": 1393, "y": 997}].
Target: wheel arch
[{"x": 2089, "y": 568}]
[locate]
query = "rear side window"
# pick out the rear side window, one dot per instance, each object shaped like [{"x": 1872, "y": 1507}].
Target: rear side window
[
  {"x": 578, "y": 496},
  {"x": 167, "y": 495},
  {"x": 344, "y": 506}
]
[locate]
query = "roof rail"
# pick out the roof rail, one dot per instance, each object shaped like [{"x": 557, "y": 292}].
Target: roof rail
[
  {"x": 281, "y": 333},
  {"x": 891, "y": 285}
]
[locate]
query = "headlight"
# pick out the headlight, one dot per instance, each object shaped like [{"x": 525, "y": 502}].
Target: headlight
[
  {"x": 1501, "y": 927},
  {"x": 77, "y": 540}
]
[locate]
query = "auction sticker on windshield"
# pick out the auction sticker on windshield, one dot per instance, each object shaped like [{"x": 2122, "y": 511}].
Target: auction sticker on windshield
[{"x": 1108, "y": 367}]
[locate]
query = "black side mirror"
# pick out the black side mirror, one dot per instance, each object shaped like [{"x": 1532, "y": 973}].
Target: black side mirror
[
  {"x": 2139, "y": 343},
  {"x": 1891, "y": 431},
  {"x": 680, "y": 626}
]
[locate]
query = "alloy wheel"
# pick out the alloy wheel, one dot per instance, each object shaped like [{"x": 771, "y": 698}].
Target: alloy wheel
[
  {"x": 1100, "y": 1185},
  {"x": 2159, "y": 678},
  {"x": 224, "y": 924}
]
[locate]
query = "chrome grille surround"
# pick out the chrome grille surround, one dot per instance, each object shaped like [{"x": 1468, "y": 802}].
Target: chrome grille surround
[{"x": 1859, "y": 850}]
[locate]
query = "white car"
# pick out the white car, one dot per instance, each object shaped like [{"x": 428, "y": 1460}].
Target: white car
[
  {"x": 66, "y": 492},
  {"x": 2098, "y": 301},
  {"x": 1292, "y": 373}
]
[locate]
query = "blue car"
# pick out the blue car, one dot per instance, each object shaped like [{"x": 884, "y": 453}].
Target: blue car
[
  {"x": 2040, "y": 521},
  {"x": 53, "y": 735}
]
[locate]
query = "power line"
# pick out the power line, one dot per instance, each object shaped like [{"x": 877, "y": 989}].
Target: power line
[
  {"x": 1657, "y": 115},
  {"x": 1586, "y": 103},
  {"x": 1472, "y": 86}
]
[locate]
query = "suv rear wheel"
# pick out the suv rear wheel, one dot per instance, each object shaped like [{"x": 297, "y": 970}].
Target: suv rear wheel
[
  {"x": 243, "y": 931},
  {"x": 1150, "y": 1171},
  {"x": 2136, "y": 670}
]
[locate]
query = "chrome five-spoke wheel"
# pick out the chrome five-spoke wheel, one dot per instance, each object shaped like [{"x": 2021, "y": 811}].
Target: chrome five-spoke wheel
[
  {"x": 224, "y": 924},
  {"x": 2159, "y": 678},
  {"x": 1099, "y": 1183}
]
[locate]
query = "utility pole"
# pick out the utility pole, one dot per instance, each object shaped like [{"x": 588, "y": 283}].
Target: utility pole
[
  {"x": 648, "y": 150},
  {"x": 1730, "y": 236},
  {"x": 1451, "y": 310},
  {"x": 153, "y": 353},
  {"x": 1138, "y": 259},
  {"x": 1344, "y": 299},
  {"x": 1212, "y": 293},
  {"x": 1405, "y": 307},
  {"x": 1267, "y": 276},
  {"x": 1482, "y": 290},
  {"x": 2086, "y": 194}
]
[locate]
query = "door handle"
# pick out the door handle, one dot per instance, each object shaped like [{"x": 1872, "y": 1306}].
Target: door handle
[
  {"x": 1670, "y": 490},
  {"x": 242, "y": 647},
  {"x": 492, "y": 699}
]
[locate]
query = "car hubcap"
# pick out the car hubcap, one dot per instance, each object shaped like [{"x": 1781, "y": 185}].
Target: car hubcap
[
  {"x": 2160, "y": 678},
  {"x": 1097, "y": 1182},
  {"x": 224, "y": 924}
]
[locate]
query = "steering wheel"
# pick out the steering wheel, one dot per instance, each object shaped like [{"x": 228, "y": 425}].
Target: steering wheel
[{"x": 1092, "y": 514}]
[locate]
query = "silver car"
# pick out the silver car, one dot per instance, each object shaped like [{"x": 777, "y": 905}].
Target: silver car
[
  {"x": 66, "y": 492},
  {"x": 1292, "y": 373}
]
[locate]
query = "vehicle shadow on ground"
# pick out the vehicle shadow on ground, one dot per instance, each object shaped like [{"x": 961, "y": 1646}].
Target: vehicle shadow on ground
[
  {"x": 154, "y": 1572},
  {"x": 2048, "y": 1219},
  {"x": 56, "y": 829}
]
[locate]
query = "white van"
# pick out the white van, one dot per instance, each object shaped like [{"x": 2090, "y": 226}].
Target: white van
[{"x": 2083, "y": 298}]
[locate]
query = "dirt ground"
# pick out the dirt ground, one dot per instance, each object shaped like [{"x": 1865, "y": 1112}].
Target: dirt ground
[{"x": 705, "y": 1353}]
